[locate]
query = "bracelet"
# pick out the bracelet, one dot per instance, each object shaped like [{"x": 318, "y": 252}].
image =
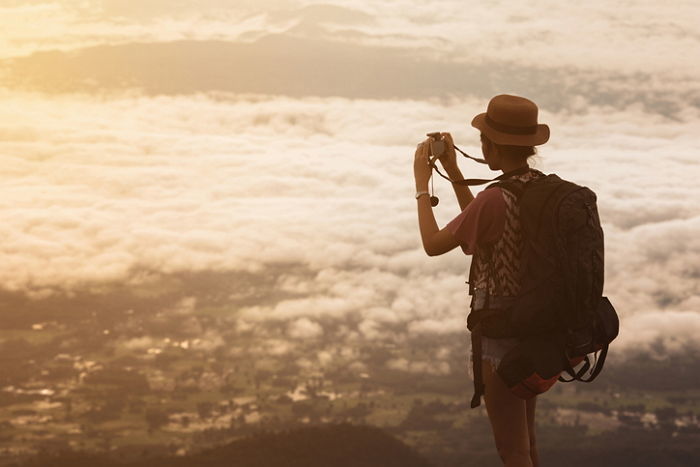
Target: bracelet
[{"x": 421, "y": 193}]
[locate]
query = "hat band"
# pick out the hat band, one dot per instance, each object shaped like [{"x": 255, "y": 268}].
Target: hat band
[{"x": 514, "y": 130}]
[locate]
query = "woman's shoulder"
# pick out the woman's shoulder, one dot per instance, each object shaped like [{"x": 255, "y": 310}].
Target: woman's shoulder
[
  {"x": 489, "y": 196},
  {"x": 482, "y": 221},
  {"x": 488, "y": 203}
]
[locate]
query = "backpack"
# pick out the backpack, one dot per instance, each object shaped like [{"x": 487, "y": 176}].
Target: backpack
[{"x": 560, "y": 314}]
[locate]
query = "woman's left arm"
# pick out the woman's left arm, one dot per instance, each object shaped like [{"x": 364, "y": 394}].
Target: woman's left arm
[{"x": 435, "y": 241}]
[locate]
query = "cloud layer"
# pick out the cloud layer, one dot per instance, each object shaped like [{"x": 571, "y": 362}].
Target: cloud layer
[
  {"x": 117, "y": 190},
  {"x": 183, "y": 137}
]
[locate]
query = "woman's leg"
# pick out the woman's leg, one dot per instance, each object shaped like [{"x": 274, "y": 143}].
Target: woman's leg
[
  {"x": 530, "y": 409},
  {"x": 508, "y": 416}
]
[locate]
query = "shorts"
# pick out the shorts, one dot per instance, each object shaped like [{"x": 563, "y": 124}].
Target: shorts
[{"x": 493, "y": 351}]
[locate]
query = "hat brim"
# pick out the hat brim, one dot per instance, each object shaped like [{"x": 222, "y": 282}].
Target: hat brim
[{"x": 541, "y": 136}]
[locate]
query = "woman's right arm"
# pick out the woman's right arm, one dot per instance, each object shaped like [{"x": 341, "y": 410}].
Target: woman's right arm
[{"x": 463, "y": 193}]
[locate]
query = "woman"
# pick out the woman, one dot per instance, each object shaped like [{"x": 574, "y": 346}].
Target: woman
[{"x": 488, "y": 228}]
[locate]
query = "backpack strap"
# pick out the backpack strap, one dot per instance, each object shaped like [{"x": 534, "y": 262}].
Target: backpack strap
[
  {"x": 470, "y": 280},
  {"x": 515, "y": 185},
  {"x": 476, "y": 367},
  {"x": 575, "y": 375},
  {"x": 578, "y": 375},
  {"x": 512, "y": 185},
  {"x": 598, "y": 367}
]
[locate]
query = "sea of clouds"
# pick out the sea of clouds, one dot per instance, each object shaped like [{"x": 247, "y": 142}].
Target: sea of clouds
[
  {"x": 116, "y": 187},
  {"x": 97, "y": 191}
]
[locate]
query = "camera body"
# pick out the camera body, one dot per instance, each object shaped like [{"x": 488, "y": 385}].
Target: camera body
[{"x": 437, "y": 145}]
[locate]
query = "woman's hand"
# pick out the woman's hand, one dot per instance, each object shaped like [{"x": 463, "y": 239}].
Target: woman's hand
[
  {"x": 449, "y": 157},
  {"x": 421, "y": 170}
]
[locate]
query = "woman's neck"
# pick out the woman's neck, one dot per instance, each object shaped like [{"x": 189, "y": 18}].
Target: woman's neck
[{"x": 509, "y": 166}]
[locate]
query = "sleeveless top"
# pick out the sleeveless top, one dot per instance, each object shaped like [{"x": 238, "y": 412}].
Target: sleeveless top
[{"x": 500, "y": 277}]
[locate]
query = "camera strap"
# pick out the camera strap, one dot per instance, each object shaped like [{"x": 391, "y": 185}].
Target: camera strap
[
  {"x": 481, "y": 181},
  {"x": 469, "y": 181},
  {"x": 475, "y": 159},
  {"x": 476, "y": 181},
  {"x": 435, "y": 157}
]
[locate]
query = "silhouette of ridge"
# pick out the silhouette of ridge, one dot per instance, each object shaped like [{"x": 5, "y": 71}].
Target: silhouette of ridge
[
  {"x": 283, "y": 64},
  {"x": 339, "y": 445}
]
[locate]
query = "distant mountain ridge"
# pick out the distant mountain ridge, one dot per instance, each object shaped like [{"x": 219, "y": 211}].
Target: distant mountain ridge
[
  {"x": 285, "y": 64},
  {"x": 339, "y": 445},
  {"x": 273, "y": 64}
]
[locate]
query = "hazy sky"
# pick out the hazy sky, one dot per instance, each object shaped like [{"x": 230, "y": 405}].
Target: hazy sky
[
  {"x": 601, "y": 35},
  {"x": 123, "y": 158}
]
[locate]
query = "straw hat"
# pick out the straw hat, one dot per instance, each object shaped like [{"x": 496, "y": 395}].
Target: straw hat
[{"x": 512, "y": 120}]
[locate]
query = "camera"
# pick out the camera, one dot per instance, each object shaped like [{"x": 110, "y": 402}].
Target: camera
[{"x": 437, "y": 145}]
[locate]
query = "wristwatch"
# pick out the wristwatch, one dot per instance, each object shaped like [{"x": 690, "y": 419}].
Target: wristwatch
[{"x": 421, "y": 193}]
